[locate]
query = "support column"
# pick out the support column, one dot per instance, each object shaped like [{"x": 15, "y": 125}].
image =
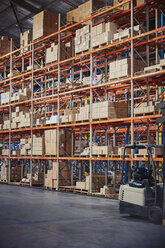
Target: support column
[
  {"x": 11, "y": 65},
  {"x": 91, "y": 98},
  {"x": 58, "y": 104},
  {"x": 132, "y": 74},
  {"x": 32, "y": 108}
]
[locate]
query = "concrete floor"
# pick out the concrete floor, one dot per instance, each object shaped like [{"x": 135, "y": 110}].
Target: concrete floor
[{"x": 35, "y": 218}]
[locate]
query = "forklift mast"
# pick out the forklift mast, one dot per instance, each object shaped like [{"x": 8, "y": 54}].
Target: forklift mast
[{"x": 161, "y": 120}]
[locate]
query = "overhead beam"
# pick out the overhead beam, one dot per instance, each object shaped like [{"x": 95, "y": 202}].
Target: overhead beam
[
  {"x": 26, "y": 6},
  {"x": 15, "y": 14},
  {"x": 31, "y": 14}
]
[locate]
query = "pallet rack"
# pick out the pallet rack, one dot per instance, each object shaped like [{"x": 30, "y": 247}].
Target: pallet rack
[{"x": 131, "y": 89}]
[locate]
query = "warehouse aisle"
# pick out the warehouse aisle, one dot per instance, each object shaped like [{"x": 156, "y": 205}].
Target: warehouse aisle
[{"x": 39, "y": 219}]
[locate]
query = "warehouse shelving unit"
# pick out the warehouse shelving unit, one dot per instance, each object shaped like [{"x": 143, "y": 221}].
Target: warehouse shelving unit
[{"x": 57, "y": 97}]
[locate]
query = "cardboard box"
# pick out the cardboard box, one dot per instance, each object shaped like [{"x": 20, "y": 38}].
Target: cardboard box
[
  {"x": 25, "y": 39},
  {"x": 44, "y": 23}
]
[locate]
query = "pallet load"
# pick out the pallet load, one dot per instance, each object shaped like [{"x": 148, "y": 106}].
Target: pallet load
[
  {"x": 64, "y": 175},
  {"x": 15, "y": 172},
  {"x": 144, "y": 108},
  {"x": 83, "y": 11},
  {"x": 155, "y": 68},
  {"x": 155, "y": 151},
  {"x": 103, "y": 33},
  {"x": 82, "y": 39},
  {"x": 110, "y": 110},
  {"x": 38, "y": 146},
  {"x": 21, "y": 95},
  {"x": 25, "y": 39},
  {"x": 126, "y": 33},
  {"x": 4, "y": 45},
  {"x": 4, "y": 172},
  {"x": 104, "y": 150},
  {"x": 98, "y": 181},
  {"x": 51, "y": 142},
  {"x": 44, "y": 23},
  {"x": 20, "y": 118},
  {"x": 69, "y": 115},
  {"x": 25, "y": 147},
  {"x": 122, "y": 68},
  {"x": 52, "y": 52},
  {"x": 5, "y": 152}
]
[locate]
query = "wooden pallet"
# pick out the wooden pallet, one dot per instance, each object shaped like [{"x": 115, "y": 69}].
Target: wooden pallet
[
  {"x": 120, "y": 39},
  {"x": 147, "y": 113}
]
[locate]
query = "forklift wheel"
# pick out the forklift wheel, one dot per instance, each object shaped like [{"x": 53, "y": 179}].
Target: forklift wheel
[{"x": 155, "y": 214}]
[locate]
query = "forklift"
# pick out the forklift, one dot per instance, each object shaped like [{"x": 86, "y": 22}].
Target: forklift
[{"x": 144, "y": 196}]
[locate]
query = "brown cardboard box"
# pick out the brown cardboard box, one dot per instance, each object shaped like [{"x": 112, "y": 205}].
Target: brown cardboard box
[
  {"x": 44, "y": 23},
  {"x": 25, "y": 39},
  {"x": 4, "y": 45},
  {"x": 83, "y": 11}
]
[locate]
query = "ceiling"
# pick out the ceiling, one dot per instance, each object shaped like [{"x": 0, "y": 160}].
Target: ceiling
[{"x": 16, "y": 16}]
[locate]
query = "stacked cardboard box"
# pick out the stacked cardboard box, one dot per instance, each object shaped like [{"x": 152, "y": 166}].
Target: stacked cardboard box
[
  {"x": 5, "y": 98},
  {"x": 98, "y": 181},
  {"x": 51, "y": 142},
  {"x": 5, "y": 152},
  {"x": 25, "y": 39},
  {"x": 83, "y": 11},
  {"x": 21, "y": 117},
  {"x": 126, "y": 33},
  {"x": 52, "y": 52},
  {"x": 122, "y": 68},
  {"x": 144, "y": 108},
  {"x": 104, "y": 150},
  {"x": 100, "y": 110},
  {"x": 83, "y": 114},
  {"x": 103, "y": 33},
  {"x": 44, "y": 23},
  {"x": 38, "y": 146},
  {"x": 156, "y": 152},
  {"x": 109, "y": 110},
  {"x": 4, "y": 171},
  {"x": 4, "y": 45},
  {"x": 64, "y": 175},
  {"x": 82, "y": 39},
  {"x": 97, "y": 80},
  {"x": 69, "y": 115},
  {"x": 25, "y": 146},
  {"x": 15, "y": 173},
  {"x": 21, "y": 95},
  {"x": 52, "y": 120},
  {"x": 6, "y": 124}
]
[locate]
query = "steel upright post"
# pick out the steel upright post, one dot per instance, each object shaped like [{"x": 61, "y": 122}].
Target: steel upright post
[
  {"x": 11, "y": 71},
  {"x": 132, "y": 72},
  {"x": 58, "y": 105},
  {"x": 32, "y": 107},
  {"x": 91, "y": 97}
]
